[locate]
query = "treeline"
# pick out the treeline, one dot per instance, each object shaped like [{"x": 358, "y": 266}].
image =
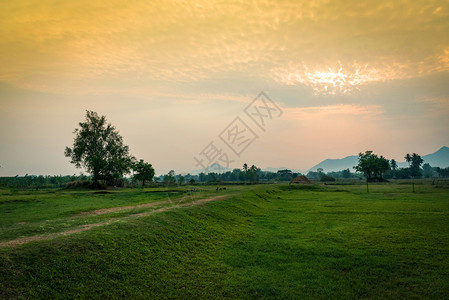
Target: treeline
[
  {"x": 332, "y": 176},
  {"x": 238, "y": 176},
  {"x": 426, "y": 171},
  {"x": 40, "y": 181},
  {"x": 378, "y": 168},
  {"x": 37, "y": 182},
  {"x": 251, "y": 174},
  {"x": 371, "y": 166}
]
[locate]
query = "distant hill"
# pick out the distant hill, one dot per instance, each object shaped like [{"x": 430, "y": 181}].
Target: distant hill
[
  {"x": 274, "y": 170},
  {"x": 333, "y": 165},
  {"x": 438, "y": 159},
  {"x": 214, "y": 168}
]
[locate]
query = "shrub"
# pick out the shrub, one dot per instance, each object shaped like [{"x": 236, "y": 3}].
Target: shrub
[
  {"x": 325, "y": 177},
  {"x": 78, "y": 184}
]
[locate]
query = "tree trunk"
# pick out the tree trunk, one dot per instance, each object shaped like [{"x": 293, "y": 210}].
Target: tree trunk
[{"x": 95, "y": 178}]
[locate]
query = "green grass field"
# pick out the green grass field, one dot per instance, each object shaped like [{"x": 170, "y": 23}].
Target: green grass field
[{"x": 262, "y": 241}]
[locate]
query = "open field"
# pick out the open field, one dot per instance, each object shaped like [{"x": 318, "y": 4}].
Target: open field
[{"x": 260, "y": 241}]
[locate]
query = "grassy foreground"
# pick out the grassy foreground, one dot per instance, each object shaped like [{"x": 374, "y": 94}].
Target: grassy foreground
[{"x": 262, "y": 242}]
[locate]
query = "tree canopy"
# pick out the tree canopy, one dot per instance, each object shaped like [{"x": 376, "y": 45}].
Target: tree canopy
[
  {"x": 372, "y": 166},
  {"x": 143, "y": 171},
  {"x": 170, "y": 177},
  {"x": 99, "y": 148},
  {"x": 416, "y": 162},
  {"x": 393, "y": 164}
]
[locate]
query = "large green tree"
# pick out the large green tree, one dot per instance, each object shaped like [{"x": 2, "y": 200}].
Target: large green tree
[
  {"x": 99, "y": 148},
  {"x": 284, "y": 175},
  {"x": 372, "y": 166},
  {"x": 143, "y": 171}
]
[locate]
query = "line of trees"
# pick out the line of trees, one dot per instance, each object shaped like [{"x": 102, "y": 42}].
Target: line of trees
[
  {"x": 235, "y": 176},
  {"x": 144, "y": 176},
  {"x": 319, "y": 174},
  {"x": 40, "y": 181},
  {"x": 378, "y": 168},
  {"x": 251, "y": 174},
  {"x": 99, "y": 148}
]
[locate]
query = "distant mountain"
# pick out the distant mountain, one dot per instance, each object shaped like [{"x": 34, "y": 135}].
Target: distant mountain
[
  {"x": 333, "y": 165},
  {"x": 437, "y": 159},
  {"x": 214, "y": 168},
  {"x": 274, "y": 170}
]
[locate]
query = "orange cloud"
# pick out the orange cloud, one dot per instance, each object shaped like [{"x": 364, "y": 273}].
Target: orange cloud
[
  {"x": 321, "y": 112},
  {"x": 68, "y": 45}
]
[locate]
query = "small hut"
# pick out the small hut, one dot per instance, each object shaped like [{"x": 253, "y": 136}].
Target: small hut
[{"x": 300, "y": 180}]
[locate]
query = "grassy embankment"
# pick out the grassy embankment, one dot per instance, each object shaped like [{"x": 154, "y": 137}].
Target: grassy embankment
[{"x": 263, "y": 241}]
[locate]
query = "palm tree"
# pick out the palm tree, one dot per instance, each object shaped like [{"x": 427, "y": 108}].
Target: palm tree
[
  {"x": 416, "y": 162},
  {"x": 245, "y": 167},
  {"x": 393, "y": 164},
  {"x": 408, "y": 159}
]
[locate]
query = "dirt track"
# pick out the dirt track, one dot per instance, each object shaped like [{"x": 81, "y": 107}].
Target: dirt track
[{"x": 24, "y": 240}]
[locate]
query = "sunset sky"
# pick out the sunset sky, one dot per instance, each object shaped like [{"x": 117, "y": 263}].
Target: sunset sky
[{"x": 347, "y": 76}]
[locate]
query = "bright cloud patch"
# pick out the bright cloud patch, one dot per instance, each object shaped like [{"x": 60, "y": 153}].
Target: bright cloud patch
[
  {"x": 321, "y": 112},
  {"x": 340, "y": 80}
]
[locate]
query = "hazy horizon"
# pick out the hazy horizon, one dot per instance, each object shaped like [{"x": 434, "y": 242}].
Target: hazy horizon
[{"x": 171, "y": 76}]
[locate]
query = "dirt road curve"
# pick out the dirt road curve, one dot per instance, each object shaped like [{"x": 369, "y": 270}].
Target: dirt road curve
[{"x": 24, "y": 240}]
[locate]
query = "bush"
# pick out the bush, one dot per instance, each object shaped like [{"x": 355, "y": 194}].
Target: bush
[
  {"x": 78, "y": 184},
  {"x": 327, "y": 178}
]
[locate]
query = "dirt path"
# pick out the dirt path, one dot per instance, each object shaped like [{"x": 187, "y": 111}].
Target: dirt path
[
  {"x": 25, "y": 240},
  {"x": 103, "y": 211}
]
